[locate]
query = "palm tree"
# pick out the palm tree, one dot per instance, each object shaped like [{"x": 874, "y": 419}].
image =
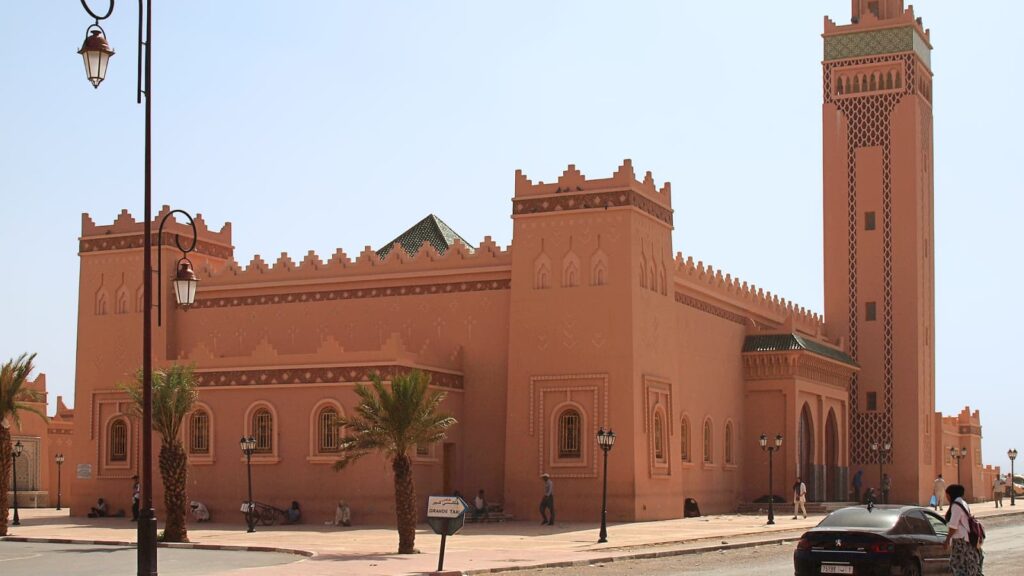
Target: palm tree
[
  {"x": 174, "y": 394},
  {"x": 393, "y": 421},
  {"x": 13, "y": 397}
]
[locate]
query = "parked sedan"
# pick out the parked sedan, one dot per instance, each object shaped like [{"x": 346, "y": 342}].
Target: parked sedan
[{"x": 874, "y": 541}]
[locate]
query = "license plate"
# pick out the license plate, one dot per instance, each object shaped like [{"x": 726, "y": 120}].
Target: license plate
[{"x": 836, "y": 569}]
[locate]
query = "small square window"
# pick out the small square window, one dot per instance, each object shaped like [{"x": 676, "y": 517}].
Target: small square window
[
  {"x": 872, "y": 401},
  {"x": 869, "y": 220},
  {"x": 870, "y": 311}
]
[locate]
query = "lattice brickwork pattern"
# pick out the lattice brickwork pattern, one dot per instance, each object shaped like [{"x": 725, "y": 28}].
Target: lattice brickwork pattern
[{"x": 868, "y": 119}]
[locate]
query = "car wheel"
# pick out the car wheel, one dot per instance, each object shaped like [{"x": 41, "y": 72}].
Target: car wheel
[{"x": 912, "y": 568}]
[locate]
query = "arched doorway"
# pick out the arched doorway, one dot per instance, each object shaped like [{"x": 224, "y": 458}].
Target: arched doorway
[
  {"x": 833, "y": 485},
  {"x": 805, "y": 460}
]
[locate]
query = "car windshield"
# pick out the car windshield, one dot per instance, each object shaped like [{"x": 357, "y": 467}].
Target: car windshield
[{"x": 876, "y": 519}]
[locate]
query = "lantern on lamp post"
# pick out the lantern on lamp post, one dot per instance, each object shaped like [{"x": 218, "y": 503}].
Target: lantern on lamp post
[
  {"x": 763, "y": 441},
  {"x": 605, "y": 439},
  {"x": 15, "y": 454},
  {"x": 1012, "y": 454},
  {"x": 59, "y": 459},
  {"x": 958, "y": 455},
  {"x": 248, "y": 446},
  {"x": 96, "y": 53}
]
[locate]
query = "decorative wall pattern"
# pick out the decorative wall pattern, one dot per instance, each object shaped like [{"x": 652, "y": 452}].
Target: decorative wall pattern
[
  {"x": 353, "y": 294},
  {"x": 318, "y": 375},
  {"x": 873, "y": 42},
  {"x": 692, "y": 302},
  {"x": 104, "y": 243},
  {"x": 592, "y": 200},
  {"x": 868, "y": 119}
]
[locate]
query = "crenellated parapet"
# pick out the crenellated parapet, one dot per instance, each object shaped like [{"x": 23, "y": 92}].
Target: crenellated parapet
[
  {"x": 892, "y": 30},
  {"x": 574, "y": 191},
  {"x": 760, "y": 306},
  {"x": 126, "y": 233},
  {"x": 488, "y": 258}
]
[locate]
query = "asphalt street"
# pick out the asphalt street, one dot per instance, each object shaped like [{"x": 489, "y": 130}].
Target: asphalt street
[
  {"x": 30, "y": 559},
  {"x": 1004, "y": 556}
]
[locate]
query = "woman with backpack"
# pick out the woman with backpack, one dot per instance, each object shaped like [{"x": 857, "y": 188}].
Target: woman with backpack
[{"x": 966, "y": 557}]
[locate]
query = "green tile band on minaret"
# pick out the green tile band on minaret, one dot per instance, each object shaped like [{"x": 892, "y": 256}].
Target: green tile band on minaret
[{"x": 875, "y": 42}]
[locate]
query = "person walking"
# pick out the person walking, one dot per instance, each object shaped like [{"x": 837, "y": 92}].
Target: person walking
[
  {"x": 858, "y": 481},
  {"x": 998, "y": 487},
  {"x": 547, "y": 502},
  {"x": 965, "y": 559},
  {"x": 799, "y": 498},
  {"x": 886, "y": 487},
  {"x": 135, "y": 498},
  {"x": 939, "y": 491}
]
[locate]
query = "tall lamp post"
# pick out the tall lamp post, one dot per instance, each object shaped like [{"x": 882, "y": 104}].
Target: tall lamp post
[
  {"x": 14, "y": 480},
  {"x": 959, "y": 455},
  {"x": 605, "y": 439},
  {"x": 96, "y": 53},
  {"x": 1012, "y": 453},
  {"x": 763, "y": 440},
  {"x": 248, "y": 446},
  {"x": 59, "y": 459},
  {"x": 882, "y": 451}
]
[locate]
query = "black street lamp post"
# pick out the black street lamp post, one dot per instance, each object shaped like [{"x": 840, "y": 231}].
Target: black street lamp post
[
  {"x": 14, "y": 480},
  {"x": 1012, "y": 453},
  {"x": 248, "y": 445},
  {"x": 605, "y": 439},
  {"x": 59, "y": 459},
  {"x": 763, "y": 440},
  {"x": 882, "y": 451},
  {"x": 959, "y": 455},
  {"x": 96, "y": 53}
]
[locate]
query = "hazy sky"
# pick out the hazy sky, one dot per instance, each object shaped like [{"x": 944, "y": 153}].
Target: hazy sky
[{"x": 314, "y": 125}]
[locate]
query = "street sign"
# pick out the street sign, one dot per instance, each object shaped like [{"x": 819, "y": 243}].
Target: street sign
[
  {"x": 446, "y": 515},
  {"x": 445, "y": 507}
]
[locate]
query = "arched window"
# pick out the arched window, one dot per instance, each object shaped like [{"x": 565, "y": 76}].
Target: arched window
[
  {"x": 569, "y": 434},
  {"x": 728, "y": 443},
  {"x": 659, "y": 437},
  {"x": 328, "y": 435},
  {"x": 263, "y": 431},
  {"x": 707, "y": 442},
  {"x": 541, "y": 281},
  {"x": 118, "y": 441},
  {"x": 199, "y": 433},
  {"x": 101, "y": 304},
  {"x": 684, "y": 439}
]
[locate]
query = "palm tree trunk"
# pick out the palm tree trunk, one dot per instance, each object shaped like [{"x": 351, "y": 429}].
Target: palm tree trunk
[
  {"x": 174, "y": 473},
  {"x": 405, "y": 504},
  {"x": 5, "y": 477}
]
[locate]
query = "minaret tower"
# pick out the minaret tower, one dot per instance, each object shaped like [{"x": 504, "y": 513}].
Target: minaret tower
[{"x": 878, "y": 233}]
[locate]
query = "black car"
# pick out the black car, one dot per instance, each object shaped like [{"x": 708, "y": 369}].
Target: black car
[{"x": 875, "y": 541}]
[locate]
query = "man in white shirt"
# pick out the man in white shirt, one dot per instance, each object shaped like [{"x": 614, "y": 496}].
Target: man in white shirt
[{"x": 799, "y": 498}]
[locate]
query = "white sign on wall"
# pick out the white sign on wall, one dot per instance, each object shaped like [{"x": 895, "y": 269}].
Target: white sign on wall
[{"x": 83, "y": 471}]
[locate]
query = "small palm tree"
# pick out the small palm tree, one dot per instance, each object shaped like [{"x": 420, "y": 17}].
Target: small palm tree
[
  {"x": 13, "y": 397},
  {"x": 393, "y": 420},
  {"x": 174, "y": 394}
]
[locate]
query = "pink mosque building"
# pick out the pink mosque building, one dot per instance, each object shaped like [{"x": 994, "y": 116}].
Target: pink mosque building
[{"x": 589, "y": 319}]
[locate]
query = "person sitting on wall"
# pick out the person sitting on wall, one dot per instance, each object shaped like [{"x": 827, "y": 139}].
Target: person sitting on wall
[
  {"x": 199, "y": 511},
  {"x": 479, "y": 506},
  {"x": 294, "y": 513},
  {"x": 342, "y": 514},
  {"x": 99, "y": 510}
]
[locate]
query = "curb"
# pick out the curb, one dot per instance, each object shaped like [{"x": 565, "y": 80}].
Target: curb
[
  {"x": 669, "y": 553},
  {"x": 637, "y": 556},
  {"x": 179, "y": 545}
]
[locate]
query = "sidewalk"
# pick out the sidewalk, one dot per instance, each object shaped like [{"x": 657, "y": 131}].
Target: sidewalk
[{"x": 478, "y": 548}]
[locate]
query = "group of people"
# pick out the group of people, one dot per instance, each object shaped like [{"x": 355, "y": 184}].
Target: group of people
[{"x": 880, "y": 496}]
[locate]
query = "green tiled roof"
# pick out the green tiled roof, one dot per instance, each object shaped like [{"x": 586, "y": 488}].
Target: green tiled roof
[
  {"x": 431, "y": 229},
  {"x": 782, "y": 342}
]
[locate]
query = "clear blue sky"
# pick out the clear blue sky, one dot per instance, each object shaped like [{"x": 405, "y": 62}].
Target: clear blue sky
[{"x": 319, "y": 124}]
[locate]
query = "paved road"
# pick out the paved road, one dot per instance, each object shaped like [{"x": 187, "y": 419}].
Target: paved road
[
  {"x": 1004, "y": 556},
  {"x": 29, "y": 559}
]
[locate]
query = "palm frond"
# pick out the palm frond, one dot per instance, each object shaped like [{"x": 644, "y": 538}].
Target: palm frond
[{"x": 14, "y": 394}]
